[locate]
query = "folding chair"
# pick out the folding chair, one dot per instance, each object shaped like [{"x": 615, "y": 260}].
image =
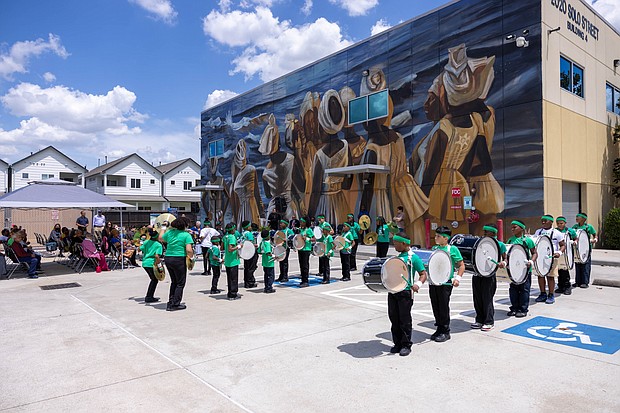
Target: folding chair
[
  {"x": 89, "y": 254},
  {"x": 13, "y": 263}
]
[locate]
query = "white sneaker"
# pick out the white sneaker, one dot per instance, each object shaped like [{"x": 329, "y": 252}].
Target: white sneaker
[
  {"x": 476, "y": 325},
  {"x": 487, "y": 327}
]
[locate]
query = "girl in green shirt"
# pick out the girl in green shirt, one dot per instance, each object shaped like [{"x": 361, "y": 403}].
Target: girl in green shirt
[
  {"x": 151, "y": 256},
  {"x": 179, "y": 244},
  {"x": 383, "y": 238}
]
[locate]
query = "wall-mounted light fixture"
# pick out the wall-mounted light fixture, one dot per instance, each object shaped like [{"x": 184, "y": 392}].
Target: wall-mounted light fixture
[
  {"x": 365, "y": 72},
  {"x": 616, "y": 62},
  {"x": 520, "y": 41},
  {"x": 557, "y": 29}
]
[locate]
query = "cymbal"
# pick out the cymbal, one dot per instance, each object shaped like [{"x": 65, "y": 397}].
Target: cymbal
[
  {"x": 370, "y": 238},
  {"x": 392, "y": 227},
  {"x": 364, "y": 222},
  {"x": 159, "y": 221}
]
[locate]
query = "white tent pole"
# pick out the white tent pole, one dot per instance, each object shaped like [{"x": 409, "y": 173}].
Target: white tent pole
[{"x": 122, "y": 256}]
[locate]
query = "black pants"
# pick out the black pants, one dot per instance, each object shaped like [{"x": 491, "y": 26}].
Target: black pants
[
  {"x": 304, "y": 264},
  {"x": 382, "y": 249},
  {"x": 399, "y": 312},
  {"x": 520, "y": 295},
  {"x": 324, "y": 270},
  {"x": 345, "y": 261},
  {"x": 178, "y": 275},
  {"x": 249, "y": 267},
  {"x": 153, "y": 284},
  {"x": 284, "y": 267},
  {"x": 483, "y": 289},
  {"x": 564, "y": 280},
  {"x": 440, "y": 301},
  {"x": 216, "y": 277},
  {"x": 353, "y": 262},
  {"x": 269, "y": 275},
  {"x": 232, "y": 276},
  {"x": 582, "y": 272},
  {"x": 205, "y": 260}
]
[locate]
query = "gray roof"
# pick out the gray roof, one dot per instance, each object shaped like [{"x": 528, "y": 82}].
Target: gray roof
[
  {"x": 103, "y": 168},
  {"x": 55, "y": 150},
  {"x": 165, "y": 168}
]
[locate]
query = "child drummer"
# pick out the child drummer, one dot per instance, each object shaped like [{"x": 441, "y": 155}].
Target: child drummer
[
  {"x": 266, "y": 251},
  {"x": 324, "y": 270},
  {"x": 399, "y": 304},
  {"x": 520, "y": 293},
  {"x": 214, "y": 257}
]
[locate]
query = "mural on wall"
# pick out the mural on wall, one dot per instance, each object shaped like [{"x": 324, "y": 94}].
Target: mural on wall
[{"x": 463, "y": 114}]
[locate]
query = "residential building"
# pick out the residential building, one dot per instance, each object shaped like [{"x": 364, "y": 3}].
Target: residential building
[
  {"x": 4, "y": 177},
  {"x": 177, "y": 179}
]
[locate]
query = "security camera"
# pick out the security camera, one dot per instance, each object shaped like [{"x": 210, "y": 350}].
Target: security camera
[
  {"x": 526, "y": 32},
  {"x": 521, "y": 42}
]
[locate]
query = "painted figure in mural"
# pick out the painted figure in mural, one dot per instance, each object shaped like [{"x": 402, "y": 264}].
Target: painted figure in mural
[
  {"x": 212, "y": 200},
  {"x": 327, "y": 193},
  {"x": 292, "y": 137},
  {"x": 306, "y": 145},
  {"x": 357, "y": 144},
  {"x": 382, "y": 192},
  {"x": 456, "y": 152},
  {"x": 277, "y": 176},
  {"x": 247, "y": 203}
]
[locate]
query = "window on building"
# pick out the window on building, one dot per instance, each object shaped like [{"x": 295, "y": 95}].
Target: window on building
[
  {"x": 47, "y": 176},
  {"x": 25, "y": 176},
  {"x": 571, "y": 77},
  {"x": 152, "y": 182},
  {"x": 197, "y": 182},
  {"x": 612, "y": 99},
  {"x": 144, "y": 208},
  {"x": 135, "y": 183},
  {"x": 216, "y": 148},
  {"x": 178, "y": 207},
  {"x": 187, "y": 185},
  {"x": 172, "y": 183}
]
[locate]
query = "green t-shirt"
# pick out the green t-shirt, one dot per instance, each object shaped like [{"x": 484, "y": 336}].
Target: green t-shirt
[
  {"x": 266, "y": 250},
  {"x": 176, "y": 240},
  {"x": 214, "y": 256},
  {"x": 149, "y": 250},
  {"x": 231, "y": 259},
  {"x": 455, "y": 255},
  {"x": 348, "y": 236},
  {"x": 414, "y": 264},
  {"x": 502, "y": 248},
  {"x": 308, "y": 233},
  {"x": 355, "y": 230},
  {"x": 571, "y": 232},
  {"x": 248, "y": 236},
  {"x": 329, "y": 245},
  {"x": 384, "y": 234},
  {"x": 587, "y": 228}
]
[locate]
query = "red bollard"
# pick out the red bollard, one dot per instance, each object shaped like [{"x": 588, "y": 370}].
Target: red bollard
[
  {"x": 500, "y": 230},
  {"x": 427, "y": 228}
]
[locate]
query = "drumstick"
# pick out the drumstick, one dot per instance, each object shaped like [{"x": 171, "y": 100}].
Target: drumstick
[
  {"x": 407, "y": 281},
  {"x": 492, "y": 260}
]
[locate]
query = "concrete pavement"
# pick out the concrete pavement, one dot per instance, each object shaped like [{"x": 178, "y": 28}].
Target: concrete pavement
[{"x": 98, "y": 347}]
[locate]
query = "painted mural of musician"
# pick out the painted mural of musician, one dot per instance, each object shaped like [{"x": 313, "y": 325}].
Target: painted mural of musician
[
  {"x": 308, "y": 138},
  {"x": 292, "y": 132},
  {"x": 247, "y": 203},
  {"x": 327, "y": 195},
  {"x": 456, "y": 152},
  {"x": 277, "y": 176}
]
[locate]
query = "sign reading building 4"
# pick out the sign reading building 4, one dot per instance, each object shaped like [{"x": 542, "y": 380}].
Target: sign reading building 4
[{"x": 576, "y": 21}]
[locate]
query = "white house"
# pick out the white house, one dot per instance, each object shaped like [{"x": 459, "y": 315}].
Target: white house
[
  {"x": 44, "y": 164},
  {"x": 178, "y": 178},
  {"x": 130, "y": 179},
  {"x": 4, "y": 177}
]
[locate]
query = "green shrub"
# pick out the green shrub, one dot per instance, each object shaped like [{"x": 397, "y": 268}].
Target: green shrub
[{"x": 612, "y": 229}]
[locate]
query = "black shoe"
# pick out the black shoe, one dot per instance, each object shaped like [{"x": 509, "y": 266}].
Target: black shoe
[
  {"x": 151, "y": 299},
  {"x": 271, "y": 290},
  {"x": 216, "y": 291},
  {"x": 435, "y": 335},
  {"x": 575, "y": 285},
  {"x": 176, "y": 307},
  {"x": 238, "y": 297},
  {"x": 559, "y": 291},
  {"x": 345, "y": 279},
  {"x": 568, "y": 291},
  {"x": 303, "y": 285},
  {"x": 441, "y": 338},
  {"x": 395, "y": 349},
  {"x": 325, "y": 282},
  {"x": 520, "y": 314},
  {"x": 206, "y": 273},
  {"x": 405, "y": 351},
  {"x": 584, "y": 286},
  {"x": 33, "y": 276},
  {"x": 511, "y": 313}
]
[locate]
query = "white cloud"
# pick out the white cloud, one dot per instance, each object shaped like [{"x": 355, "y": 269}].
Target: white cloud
[
  {"x": 49, "y": 77},
  {"x": 356, "y": 7},
  {"x": 380, "y": 26},
  {"x": 272, "y": 48},
  {"x": 225, "y": 5},
  {"x": 307, "y": 7},
  {"x": 609, "y": 9},
  {"x": 16, "y": 60},
  {"x": 159, "y": 9},
  {"x": 246, "y": 4},
  {"x": 218, "y": 96}
]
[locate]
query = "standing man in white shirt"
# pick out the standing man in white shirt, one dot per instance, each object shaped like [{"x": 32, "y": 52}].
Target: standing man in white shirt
[
  {"x": 98, "y": 221},
  {"x": 206, "y": 233}
]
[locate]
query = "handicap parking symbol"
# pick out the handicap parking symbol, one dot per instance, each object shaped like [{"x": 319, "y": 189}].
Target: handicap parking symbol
[{"x": 569, "y": 333}]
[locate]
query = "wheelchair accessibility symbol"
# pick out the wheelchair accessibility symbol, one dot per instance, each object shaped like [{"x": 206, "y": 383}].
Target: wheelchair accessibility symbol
[{"x": 569, "y": 333}]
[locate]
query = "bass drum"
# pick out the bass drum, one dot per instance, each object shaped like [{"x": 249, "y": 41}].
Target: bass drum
[
  {"x": 567, "y": 260},
  {"x": 318, "y": 249},
  {"x": 480, "y": 254},
  {"x": 318, "y": 232},
  {"x": 279, "y": 252},
  {"x": 438, "y": 265},
  {"x": 544, "y": 261},
  {"x": 582, "y": 247},
  {"x": 388, "y": 274},
  {"x": 339, "y": 243},
  {"x": 279, "y": 237},
  {"x": 516, "y": 264},
  {"x": 299, "y": 242},
  {"x": 247, "y": 250}
]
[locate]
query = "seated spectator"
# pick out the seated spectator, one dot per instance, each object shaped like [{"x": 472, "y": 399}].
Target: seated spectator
[
  {"x": 55, "y": 234},
  {"x": 24, "y": 254},
  {"x": 6, "y": 234},
  {"x": 107, "y": 230},
  {"x": 128, "y": 250}
]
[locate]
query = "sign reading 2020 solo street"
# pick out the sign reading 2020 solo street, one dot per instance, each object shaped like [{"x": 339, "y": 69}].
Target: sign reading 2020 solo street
[{"x": 577, "y": 22}]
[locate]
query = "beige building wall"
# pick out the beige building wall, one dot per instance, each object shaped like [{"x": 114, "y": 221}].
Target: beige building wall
[{"x": 577, "y": 132}]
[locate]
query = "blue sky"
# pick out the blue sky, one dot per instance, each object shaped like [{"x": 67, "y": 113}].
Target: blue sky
[{"x": 101, "y": 78}]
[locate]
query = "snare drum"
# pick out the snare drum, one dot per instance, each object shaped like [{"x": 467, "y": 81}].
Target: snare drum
[
  {"x": 480, "y": 254},
  {"x": 582, "y": 247},
  {"x": 544, "y": 261},
  {"x": 279, "y": 252},
  {"x": 339, "y": 243},
  {"x": 299, "y": 242},
  {"x": 279, "y": 237},
  {"x": 247, "y": 250},
  {"x": 516, "y": 264},
  {"x": 438, "y": 265},
  {"x": 567, "y": 260},
  {"x": 318, "y": 232},
  {"x": 318, "y": 249},
  {"x": 385, "y": 274}
]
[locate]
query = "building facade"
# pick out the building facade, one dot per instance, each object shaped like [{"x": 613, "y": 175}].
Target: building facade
[
  {"x": 4, "y": 177},
  {"x": 476, "y": 112},
  {"x": 178, "y": 179}
]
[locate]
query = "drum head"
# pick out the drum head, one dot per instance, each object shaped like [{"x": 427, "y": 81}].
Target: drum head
[
  {"x": 299, "y": 242},
  {"x": 544, "y": 261},
  {"x": 279, "y": 238},
  {"x": 569, "y": 253},
  {"x": 318, "y": 249},
  {"x": 516, "y": 259},
  {"x": 486, "y": 254},
  {"x": 247, "y": 250},
  {"x": 318, "y": 232},
  {"x": 339, "y": 243},
  {"x": 583, "y": 246},
  {"x": 439, "y": 267},
  {"x": 392, "y": 273},
  {"x": 279, "y": 252}
]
